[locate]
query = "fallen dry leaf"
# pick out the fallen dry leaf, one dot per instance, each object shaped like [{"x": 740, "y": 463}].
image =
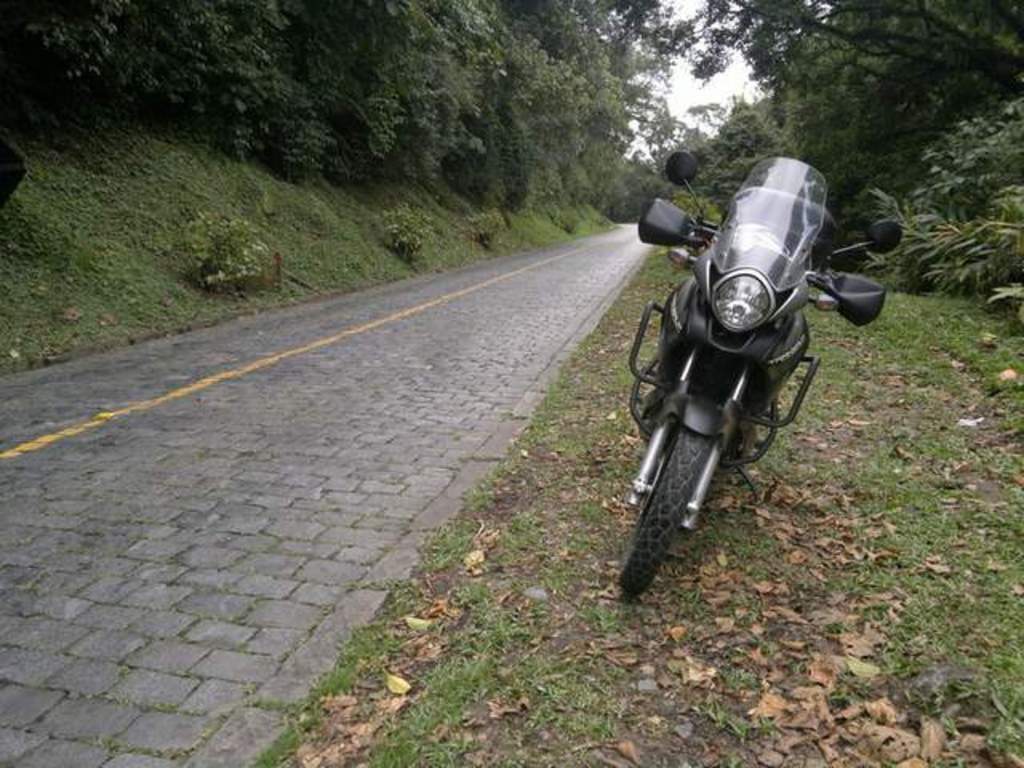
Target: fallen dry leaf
[
  {"x": 397, "y": 685},
  {"x": 823, "y": 671},
  {"x": 498, "y": 708},
  {"x": 474, "y": 561},
  {"x": 933, "y": 739},
  {"x": 935, "y": 565},
  {"x": 860, "y": 668},
  {"x": 628, "y": 750},
  {"x": 418, "y": 624},
  {"x": 890, "y": 744},
  {"x": 882, "y": 711},
  {"x": 677, "y": 633},
  {"x": 1009, "y": 375},
  {"x": 770, "y": 705}
]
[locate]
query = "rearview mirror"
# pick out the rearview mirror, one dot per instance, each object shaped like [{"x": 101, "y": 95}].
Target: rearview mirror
[
  {"x": 885, "y": 235},
  {"x": 860, "y": 299},
  {"x": 661, "y": 223},
  {"x": 681, "y": 168}
]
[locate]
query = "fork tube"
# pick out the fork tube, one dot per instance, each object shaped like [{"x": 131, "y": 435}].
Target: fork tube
[
  {"x": 643, "y": 483},
  {"x": 708, "y": 472}
]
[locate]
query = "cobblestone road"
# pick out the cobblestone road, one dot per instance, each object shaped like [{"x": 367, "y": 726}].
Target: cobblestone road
[{"x": 168, "y": 574}]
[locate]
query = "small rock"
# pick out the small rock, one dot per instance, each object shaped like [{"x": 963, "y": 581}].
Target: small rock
[
  {"x": 936, "y": 681},
  {"x": 647, "y": 685},
  {"x": 537, "y": 593},
  {"x": 684, "y": 730},
  {"x": 970, "y": 423},
  {"x": 771, "y": 758}
]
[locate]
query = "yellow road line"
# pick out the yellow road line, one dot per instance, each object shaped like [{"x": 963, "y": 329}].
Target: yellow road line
[{"x": 37, "y": 444}]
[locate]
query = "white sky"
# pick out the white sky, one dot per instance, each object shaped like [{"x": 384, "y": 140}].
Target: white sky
[{"x": 685, "y": 91}]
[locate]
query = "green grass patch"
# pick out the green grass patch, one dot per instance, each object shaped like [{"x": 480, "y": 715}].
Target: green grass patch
[
  {"x": 877, "y": 513},
  {"x": 92, "y": 245}
]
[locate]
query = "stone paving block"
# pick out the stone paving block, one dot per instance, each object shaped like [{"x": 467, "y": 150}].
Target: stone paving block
[
  {"x": 280, "y": 613},
  {"x": 168, "y": 656},
  {"x": 210, "y": 557},
  {"x": 19, "y": 706},
  {"x": 281, "y": 566},
  {"x": 245, "y": 735},
  {"x": 214, "y": 696},
  {"x": 88, "y": 719},
  {"x": 109, "y": 589},
  {"x": 58, "y": 753},
  {"x": 217, "y": 605},
  {"x": 149, "y": 688},
  {"x": 15, "y": 743},
  {"x": 295, "y": 529},
  {"x": 155, "y": 549},
  {"x": 108, "y": 616},
  {"x": 162, "y": 624},
  {"x": 20, "y": 665},
  {"x": 274, "y": 642},
  {"x": 55, "y": 752},
  {"x": 61, "y": 607},
  {"x": 235, "y": 666},
  {"x": 318, "y": 594},
  {"x": 110, "y": 646},
  {"x": 359, "y": 555},
  {"x": 44, "y": 634},
  {"x": 164, "y": 731},
  {"x": 159, "y": 573},
  {"x": 220, "y": 634},
  {"x": 331, "y": 572},
  {"x": 138, "y": 761},
  {"x": 265, "y": 586},
  {"x": 396, "y": 564},
  {"x": 156, "y": 596},
  {"x": 209, "y": 578},
  {"x": 87, "y": 677}
]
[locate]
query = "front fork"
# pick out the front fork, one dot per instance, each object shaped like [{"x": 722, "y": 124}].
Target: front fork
[{"x": 655, "y": 456}]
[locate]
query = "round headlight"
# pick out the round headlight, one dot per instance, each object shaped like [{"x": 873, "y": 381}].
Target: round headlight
[{"x": 742, "y": 302}]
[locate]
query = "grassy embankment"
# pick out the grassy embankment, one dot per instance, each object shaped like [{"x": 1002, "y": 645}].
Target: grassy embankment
[
  {"x": 90, "y": 243},
  {"x": 865, "y": 608}
]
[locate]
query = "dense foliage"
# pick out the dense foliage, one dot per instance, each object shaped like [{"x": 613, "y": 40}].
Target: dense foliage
[
  {"x": 921, "y": 99},
  {"x": 509, "y": 101}
]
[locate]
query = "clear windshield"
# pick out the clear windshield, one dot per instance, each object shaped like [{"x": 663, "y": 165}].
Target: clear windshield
[{"x": 773, "y": 221}]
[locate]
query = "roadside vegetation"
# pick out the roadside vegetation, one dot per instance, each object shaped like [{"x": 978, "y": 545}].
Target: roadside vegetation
[
  {"x": 863, "y": 608},
  {"x": 120, "y": 237},
  {"x": 911, "y": 110}
]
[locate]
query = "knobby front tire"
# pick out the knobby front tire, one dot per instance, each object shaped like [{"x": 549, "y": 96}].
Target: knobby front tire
[{"x": 659, "y": 524}]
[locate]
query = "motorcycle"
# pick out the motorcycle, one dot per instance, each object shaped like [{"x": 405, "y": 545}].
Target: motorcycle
[{"x": 731, "y": 337}]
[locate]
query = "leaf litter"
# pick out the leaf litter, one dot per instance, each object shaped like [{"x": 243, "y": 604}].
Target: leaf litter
[{"x": 755, "y": 657}]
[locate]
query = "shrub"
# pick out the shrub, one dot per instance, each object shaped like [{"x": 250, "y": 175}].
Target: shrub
[
  {"x": 567, "y": 220},
  {"x": 485, "y": 226},
  {"x": 225, "y": 254},
  {"x": 695, "y": 205},
  {"x": 982, "y": 256},
  {"x": 407, "y": 231}
]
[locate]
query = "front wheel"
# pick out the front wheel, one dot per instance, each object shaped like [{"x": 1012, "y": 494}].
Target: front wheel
[{"x": 659, "y": 523}]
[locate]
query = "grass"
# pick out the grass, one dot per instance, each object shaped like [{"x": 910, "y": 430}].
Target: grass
[
  {"x": 90, "y": 243},
  {"x": 885, "y": 542}
]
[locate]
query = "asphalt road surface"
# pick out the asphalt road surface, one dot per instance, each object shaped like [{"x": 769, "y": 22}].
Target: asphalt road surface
[{"x": 192, "y": 526}]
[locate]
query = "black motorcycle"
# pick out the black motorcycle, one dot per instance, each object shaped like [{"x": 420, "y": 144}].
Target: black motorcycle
[{"x": 731, "y": 337}]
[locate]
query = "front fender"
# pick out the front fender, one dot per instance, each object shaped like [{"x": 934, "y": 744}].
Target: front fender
[{"x": 702, "y": 415}]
